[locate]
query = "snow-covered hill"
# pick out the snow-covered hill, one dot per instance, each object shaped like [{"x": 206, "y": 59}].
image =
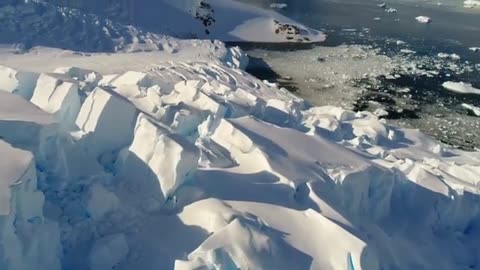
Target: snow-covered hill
[
  {"x": 170, "y": 161},
  {"x": 142, "y": 25}
]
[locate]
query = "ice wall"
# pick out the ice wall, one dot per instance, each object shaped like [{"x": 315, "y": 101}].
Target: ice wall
[{"x": 29, "y": 240}]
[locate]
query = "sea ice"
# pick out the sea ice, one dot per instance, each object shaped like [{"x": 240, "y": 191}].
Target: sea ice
[
  {"x": 475, "y": 110},
  {"x": 461, "y": 87}
]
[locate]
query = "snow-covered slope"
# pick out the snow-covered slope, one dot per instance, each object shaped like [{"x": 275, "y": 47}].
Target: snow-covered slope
[
  {"x": 172, "y": 162},
  {"x": 142, "y": 25}
]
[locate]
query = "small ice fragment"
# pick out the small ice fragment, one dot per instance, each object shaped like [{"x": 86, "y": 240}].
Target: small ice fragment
[
  {"x": 279, "y": 5},
  {"x": 423, "y": 19},
  {"x": 407, "y": 51},
  {"x": 475, "y": 110}
]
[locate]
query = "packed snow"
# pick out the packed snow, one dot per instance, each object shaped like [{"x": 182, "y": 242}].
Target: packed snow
[{"x": 197, "y": 164}]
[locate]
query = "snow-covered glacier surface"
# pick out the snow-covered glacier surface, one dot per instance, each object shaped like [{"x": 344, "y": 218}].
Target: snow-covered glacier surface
[{"x": 191, "y": 163}]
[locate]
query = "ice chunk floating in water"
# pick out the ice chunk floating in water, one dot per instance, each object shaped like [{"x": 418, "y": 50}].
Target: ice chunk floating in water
[
  {"x": 423, "y": 19},
  {"x": 461, "y": 87}
]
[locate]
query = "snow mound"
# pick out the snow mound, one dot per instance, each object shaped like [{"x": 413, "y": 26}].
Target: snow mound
[{"x": 199, "y": 165}]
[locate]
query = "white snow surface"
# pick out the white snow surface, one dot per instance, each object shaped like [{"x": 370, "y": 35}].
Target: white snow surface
[{"x": 157, "y": 161}]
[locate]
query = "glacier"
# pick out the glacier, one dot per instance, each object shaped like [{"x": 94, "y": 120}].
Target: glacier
[
  {"x": 167, "y": 154},
  {"x": 199, "y": 165}
]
